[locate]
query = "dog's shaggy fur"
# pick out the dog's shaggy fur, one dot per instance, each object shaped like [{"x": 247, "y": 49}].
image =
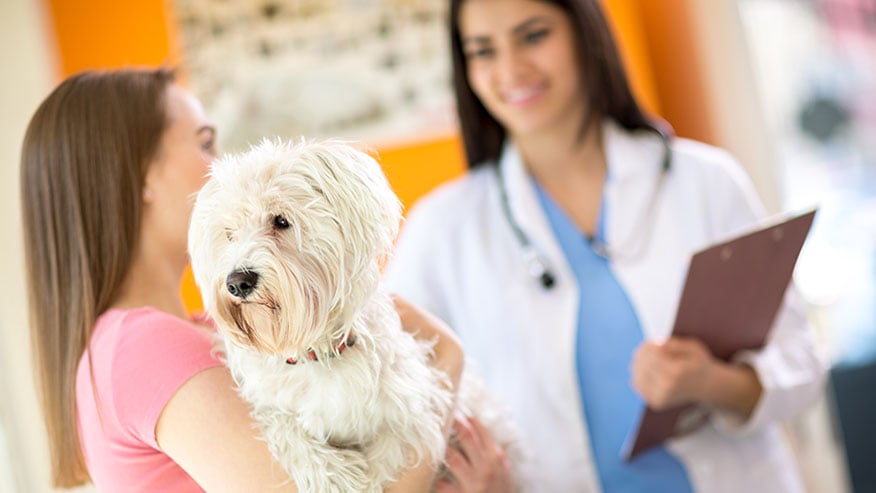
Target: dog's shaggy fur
[{"x": 286, "y": 242}]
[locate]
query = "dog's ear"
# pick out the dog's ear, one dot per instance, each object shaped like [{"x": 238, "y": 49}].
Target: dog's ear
[
  {"x": 360, "y": 216},
  {"x": 369, "y": 210}
]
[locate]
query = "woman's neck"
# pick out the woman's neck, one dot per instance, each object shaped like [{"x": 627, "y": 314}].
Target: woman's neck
[
  {"x": 557, "y": 157},
  {"x": 571, "y": 168},
  {"x": 153, "y": 280}
]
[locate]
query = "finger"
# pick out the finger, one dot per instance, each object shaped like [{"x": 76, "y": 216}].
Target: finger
[
  {"x": 470, "y": 441},
  {"x": 657, "y": 377},
  {"x": 648, "y": 386},
  {"x": 677, "y": 353},
  {"x": 640, "y": 383},
  {"x": 638, "y": 357},
  {"x": 653, "y": 389},
  {"x": 682, "y": 346},
  {"x": 644, "y": 357},
  {"x": 644, "y": 365},
  {"x": 655, "y": 362},
  {"x": 641, "y": 359},
  {"x": 650, "y": 345},
  {"x": 493, "y": 453},
  {"x": 482, "y": 433},
  {"x": 458, "y": 466},
  {"x": 645, "y": 350},
  {"x": 652, "y": 352}
]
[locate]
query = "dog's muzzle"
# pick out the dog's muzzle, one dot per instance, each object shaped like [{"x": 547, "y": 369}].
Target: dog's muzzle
[{"x": 241, "y": 283}]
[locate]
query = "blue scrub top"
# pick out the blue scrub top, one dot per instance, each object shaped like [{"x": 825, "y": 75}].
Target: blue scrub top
[{"x": 608, "y": 333}]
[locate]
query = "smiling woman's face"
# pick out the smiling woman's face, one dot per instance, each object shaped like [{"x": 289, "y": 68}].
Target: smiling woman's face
[{"x": 522, "y": 63}]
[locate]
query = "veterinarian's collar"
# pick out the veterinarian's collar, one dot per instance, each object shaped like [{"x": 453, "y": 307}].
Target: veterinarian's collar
[{"x": 311, "y": 354}]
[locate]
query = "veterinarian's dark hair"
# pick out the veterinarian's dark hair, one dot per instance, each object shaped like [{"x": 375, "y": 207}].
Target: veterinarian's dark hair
[
  {"x": 600, "y": 69},
  {"x": 83, "y": 166}
]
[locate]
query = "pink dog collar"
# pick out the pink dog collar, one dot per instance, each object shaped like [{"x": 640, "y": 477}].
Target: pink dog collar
[{"x": 350, "y": 341}]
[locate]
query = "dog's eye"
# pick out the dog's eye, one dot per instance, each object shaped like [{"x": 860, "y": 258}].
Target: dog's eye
[
  {"x": 229, "y": 235},
  {"x": 280, "y": 222}
]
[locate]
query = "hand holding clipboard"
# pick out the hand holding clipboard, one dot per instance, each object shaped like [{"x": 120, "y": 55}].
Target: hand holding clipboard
[{"x": 731, "y": 296}]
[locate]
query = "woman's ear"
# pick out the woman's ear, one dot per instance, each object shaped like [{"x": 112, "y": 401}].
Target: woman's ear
[{"x": 151, "y": 182}]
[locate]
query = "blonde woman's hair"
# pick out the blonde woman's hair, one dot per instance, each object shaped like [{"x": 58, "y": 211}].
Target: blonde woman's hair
[{"x": 83, "y": 166}]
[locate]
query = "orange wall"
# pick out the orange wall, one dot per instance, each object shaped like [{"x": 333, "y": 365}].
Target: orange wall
[
  {"x": 678, "y": 76},
  {"x": 416, "y": 168},
  {"x": 628, "y": 26},
  {"x": 115, "y": 33},
  {"x": 111, "y": 33}
]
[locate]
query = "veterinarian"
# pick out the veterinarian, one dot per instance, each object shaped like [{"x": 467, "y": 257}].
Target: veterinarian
[
  {"x": 560, "y": 257},
  {"x": 133, "y": 398}
]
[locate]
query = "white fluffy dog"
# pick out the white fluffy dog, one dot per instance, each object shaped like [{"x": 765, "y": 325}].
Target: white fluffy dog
[{"x": 286, "y": 242}]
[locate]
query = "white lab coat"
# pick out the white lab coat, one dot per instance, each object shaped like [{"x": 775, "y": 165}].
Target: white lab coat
[{"x": 458, "y": 257}]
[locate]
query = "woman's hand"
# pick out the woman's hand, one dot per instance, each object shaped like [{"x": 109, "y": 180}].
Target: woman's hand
[
  {"x": 683, "y": 371},
  {"x": 671, "y": 374},
  {"x": 478, "y": 465}
]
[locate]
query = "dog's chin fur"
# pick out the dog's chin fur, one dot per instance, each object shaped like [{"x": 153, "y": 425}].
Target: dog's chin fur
[{"x": 342, "y": 417}]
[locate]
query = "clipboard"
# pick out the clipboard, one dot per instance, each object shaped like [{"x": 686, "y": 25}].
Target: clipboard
[{"x": 730, "y": 300}]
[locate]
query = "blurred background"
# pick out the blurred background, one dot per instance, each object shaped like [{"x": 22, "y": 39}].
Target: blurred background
[{"x": 788, "y": 86}]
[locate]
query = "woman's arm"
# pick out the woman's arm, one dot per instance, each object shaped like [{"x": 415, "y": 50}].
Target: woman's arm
[
  {"x": 206, "y": 427},
  {"x": 682, "y": 371},
  {"x": 448, "y": 349},
  {"x": 207, "y": 430},
  {"x": 775, "y": 382}
]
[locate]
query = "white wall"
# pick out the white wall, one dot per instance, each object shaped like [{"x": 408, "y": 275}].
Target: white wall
[
  {"x": 27, "y": 78},
  {"x": 731, "y": 87}
]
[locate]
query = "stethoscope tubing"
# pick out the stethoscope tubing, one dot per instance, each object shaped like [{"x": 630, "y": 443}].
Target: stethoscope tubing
[{"x": 537, "y": 266}]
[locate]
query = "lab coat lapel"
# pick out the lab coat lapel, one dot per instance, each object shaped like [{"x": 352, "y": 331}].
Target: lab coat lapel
[
  {"x": 555, "y": 309},
  {"x": 526, "y": 209}
]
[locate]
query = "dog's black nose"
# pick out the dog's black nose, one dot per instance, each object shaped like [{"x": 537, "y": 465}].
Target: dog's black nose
[{"x": 240, "y": 283}]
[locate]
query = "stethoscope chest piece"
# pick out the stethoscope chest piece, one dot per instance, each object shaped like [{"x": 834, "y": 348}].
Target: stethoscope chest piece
[{"x": 538, "y": 268}]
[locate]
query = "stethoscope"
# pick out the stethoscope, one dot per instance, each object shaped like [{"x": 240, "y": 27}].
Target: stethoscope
[{"x": 538, "y": 267}]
